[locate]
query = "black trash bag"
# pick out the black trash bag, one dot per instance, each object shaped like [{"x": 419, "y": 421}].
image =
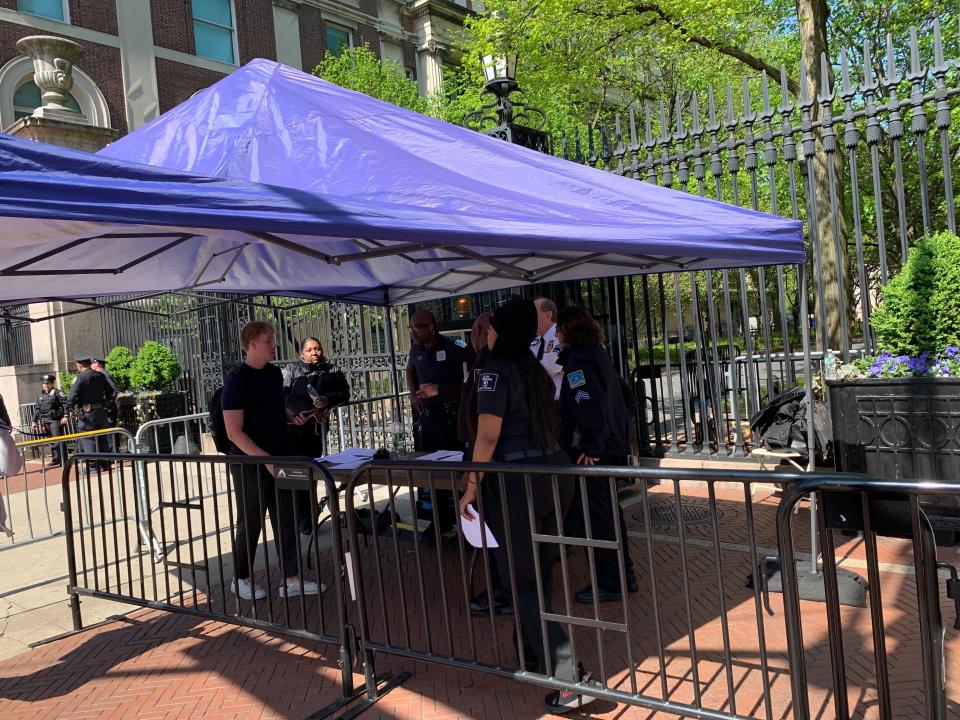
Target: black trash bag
[{"x": 782, "y": 424}]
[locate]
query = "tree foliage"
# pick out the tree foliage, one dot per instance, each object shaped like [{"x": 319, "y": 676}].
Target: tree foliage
[
  {"x": 361, "y": 70},
  {"x": 156, "y": 367},
  {"x": 120, "y": 362},
  {"x": 920, "y": 309}
]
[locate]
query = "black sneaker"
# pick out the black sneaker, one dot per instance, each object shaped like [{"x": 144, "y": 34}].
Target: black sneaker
[
  {"x": 561, "y": 702},
  {"x": 480, "y": 605}
]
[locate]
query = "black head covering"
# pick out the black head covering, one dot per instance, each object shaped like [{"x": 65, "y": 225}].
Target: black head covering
[
  {"x": 48, "y": 379},
  {"x": 516, "y": 324}
]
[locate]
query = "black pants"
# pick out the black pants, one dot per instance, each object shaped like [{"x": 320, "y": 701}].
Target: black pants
[
  {"x": 437, "y": 430},
  {"x": 514, "y": 514},
  {"x": 52, "y": 428},
  {"x": 307, "y": 440},
  {"x": 96, "y": 419},
  {"x": 255, "y": 495},
  {"x": 603, "y": 515}
]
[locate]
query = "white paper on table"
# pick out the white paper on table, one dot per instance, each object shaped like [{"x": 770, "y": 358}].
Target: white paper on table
[
  {"x": 473, "y": 533},
  {"x": 348, "y": 455},
  {"x": 349, "y": 464},
  {"x": 443, "y": 456}
]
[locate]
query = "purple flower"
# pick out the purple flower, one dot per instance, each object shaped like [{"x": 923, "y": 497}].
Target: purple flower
[{"x": 952, "y": 351}]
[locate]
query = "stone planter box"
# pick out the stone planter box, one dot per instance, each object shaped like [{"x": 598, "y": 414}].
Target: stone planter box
[
  {"x": 134, "y": 410},
  {"x": 899, "y": 428}
]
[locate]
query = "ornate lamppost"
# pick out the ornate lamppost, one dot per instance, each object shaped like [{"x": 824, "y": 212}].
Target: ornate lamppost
[{"x": 500, "y": 72}]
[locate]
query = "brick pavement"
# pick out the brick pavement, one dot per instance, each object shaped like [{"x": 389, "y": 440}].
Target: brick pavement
[{"x": 160, "y": 665}]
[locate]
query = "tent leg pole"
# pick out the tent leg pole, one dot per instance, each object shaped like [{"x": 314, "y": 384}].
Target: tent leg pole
[
  {"x": 811, "y": 433},
  {"x": 394, "y": 378}
]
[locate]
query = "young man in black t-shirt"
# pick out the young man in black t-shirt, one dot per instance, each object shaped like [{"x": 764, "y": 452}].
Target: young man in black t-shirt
[{"x": 256, "y": 419}]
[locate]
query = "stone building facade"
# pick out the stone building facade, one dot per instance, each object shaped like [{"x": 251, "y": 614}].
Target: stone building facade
[{"x": 143, "y": 57}]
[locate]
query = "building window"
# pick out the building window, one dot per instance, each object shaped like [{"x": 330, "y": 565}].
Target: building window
[
  {"x": 53, "y": 9},
  {"x": 213, "y": 30},
  {"x": 27, "y": 98},
  {"x": 338, "y": 39}
]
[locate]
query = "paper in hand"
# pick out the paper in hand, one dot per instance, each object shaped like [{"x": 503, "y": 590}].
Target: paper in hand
[{"x": 475, "y": 531}]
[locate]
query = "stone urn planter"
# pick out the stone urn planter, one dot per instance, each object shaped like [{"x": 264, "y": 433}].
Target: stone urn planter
[
  {"x": 899, "y": 428},
  {"x": 134, "y": 410}
]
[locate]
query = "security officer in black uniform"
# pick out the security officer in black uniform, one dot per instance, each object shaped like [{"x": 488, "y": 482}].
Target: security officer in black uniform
[
  {"x": 435, "y": 373},
  {"x": 517, "y": 423},
  {"x": 51, "y": 415},
  {"x": 594, "y": 431},
  {"x": 90, "y": 396}
]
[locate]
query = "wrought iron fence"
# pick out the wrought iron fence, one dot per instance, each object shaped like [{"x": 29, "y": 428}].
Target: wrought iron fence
[
  {"x": 16, "y": 347},
  {"x": 869, "y": 155}
]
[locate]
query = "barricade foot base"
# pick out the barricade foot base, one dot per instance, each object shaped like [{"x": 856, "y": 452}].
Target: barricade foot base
[
  {"x": 385, "y": 684},
  {"x": 851, "y": 588}
]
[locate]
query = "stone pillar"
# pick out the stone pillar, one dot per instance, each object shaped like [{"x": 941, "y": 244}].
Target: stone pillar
[
  {"x": 429, "y": 68},
  {"x": 137, "y": 59}
]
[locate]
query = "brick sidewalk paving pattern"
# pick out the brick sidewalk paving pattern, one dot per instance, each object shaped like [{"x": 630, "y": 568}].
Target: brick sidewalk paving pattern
[{"x": 157, "y": 665}]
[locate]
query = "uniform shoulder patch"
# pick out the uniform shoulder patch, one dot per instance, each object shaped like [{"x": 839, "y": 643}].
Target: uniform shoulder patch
[
  {"x": 487, "y": 382},
  {"x": 576, "y": 379},
  {"x": 441, "y": 355}
]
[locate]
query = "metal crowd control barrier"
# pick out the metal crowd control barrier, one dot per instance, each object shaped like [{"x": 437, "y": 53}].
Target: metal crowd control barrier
[
  {"x": 27, "y": 496},
  {"x": 691, "y": 641},
  {"x": 875, "y": 508},
  {"x": 196, "y": 522}
]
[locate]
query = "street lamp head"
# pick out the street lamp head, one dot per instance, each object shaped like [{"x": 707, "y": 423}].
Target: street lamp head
[{"x": 499, "y": 67}]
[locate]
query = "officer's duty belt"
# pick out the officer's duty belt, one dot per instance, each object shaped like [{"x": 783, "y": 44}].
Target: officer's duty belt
[{"x": 526, "y": 454}]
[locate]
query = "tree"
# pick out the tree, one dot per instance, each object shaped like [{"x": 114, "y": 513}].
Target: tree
[
  {"x": 156, "y": 367},
  {"x": 120, "y": 362},
  {"x": 582, "y": 62},
  {"x": 361, "y": 70}
]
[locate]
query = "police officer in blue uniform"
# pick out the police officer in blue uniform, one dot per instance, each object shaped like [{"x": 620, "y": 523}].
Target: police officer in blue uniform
[
  {"x": 90, "y": 396},
  {"x": 435, "y": 373},
  {"x": 595, "y": 431},
  {"x": 50, "y": 415}
]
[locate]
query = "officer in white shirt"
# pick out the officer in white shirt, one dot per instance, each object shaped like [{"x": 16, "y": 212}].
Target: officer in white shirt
[{"x": 545, "y": 345}]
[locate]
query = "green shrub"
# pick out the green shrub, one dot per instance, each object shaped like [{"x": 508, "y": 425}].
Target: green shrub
[
  {"x": 120, "y": 363},
  {"x": 66, "y": 379},
  {"x": 920, "y": 309},
  {"x": 156, "y": 367}
]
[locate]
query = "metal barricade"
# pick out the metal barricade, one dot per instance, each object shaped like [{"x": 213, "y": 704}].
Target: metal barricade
[
  {"x": 180, "y": 435},
  {"x": 690, "y": 638},
  {"x": 203, "y": 504},
  {"x": 880, "y": 511},
  {"x": 382, "y": 421},
  {"x": 27, "y": 495}
]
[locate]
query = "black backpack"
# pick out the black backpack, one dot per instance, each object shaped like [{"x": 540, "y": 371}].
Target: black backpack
[{"x": 217, "y": 425}]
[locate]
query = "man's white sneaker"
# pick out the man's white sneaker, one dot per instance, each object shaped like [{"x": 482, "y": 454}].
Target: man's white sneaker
[
  {"x": 247, "y": 590},
  {"x": 294, "y": 587}
]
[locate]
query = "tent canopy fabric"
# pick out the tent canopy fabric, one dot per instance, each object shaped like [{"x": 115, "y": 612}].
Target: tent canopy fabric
[{"x": 274, "y": 181}]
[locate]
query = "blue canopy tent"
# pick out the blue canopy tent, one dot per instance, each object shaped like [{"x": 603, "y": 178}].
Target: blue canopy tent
[{"x": 276, "y": 182}]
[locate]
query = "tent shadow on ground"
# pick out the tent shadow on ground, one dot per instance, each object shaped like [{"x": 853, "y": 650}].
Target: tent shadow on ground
[
  {"x": 171, "y": 647},
  {"x": 403, "y": 610}
]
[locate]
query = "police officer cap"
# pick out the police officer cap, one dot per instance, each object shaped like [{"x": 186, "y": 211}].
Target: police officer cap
[
  {"x": 99, "y": 361},
  {"x": 82, "y": 358},
  {"x": 48, "y": 379}
]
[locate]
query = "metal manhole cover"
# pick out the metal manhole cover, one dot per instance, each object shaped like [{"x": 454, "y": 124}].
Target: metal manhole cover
[{"x": 664, "y": 512}]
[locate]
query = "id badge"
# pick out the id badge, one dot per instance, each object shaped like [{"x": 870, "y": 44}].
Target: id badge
[{"x": 441, "y": 355}]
